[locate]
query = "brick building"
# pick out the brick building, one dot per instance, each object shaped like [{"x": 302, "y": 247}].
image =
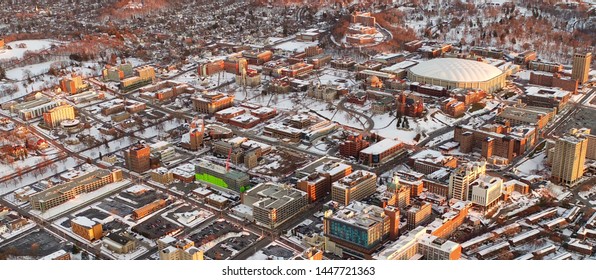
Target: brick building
[{"x": 409, "y": 105}]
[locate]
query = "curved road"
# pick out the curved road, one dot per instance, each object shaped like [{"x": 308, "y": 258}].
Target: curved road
[{"x": 370, "y": 123}]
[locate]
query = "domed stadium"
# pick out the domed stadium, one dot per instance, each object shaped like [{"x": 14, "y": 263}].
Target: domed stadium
[{"x": 458, "y": 73}]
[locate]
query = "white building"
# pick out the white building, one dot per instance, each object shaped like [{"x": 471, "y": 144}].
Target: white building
[{"x": 486, "y": 191}]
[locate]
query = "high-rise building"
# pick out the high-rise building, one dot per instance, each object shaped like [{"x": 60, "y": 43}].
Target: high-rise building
[
  {"x": 461, "y": 177},
  {"x": 196, "y": 139},
  {"x": 72, "y": 84},
  {"x": 569, "y": 157},
  {"x": 581, "y": 67},
  {"x": 138, "y": 157},
  {"x": 359, "y": 229},
  {"x": 54, "y": 116},
  {"x": 354, "y": 187}
]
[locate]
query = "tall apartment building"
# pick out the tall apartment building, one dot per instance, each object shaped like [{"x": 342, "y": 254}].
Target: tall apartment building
[
  {"x": 211, "y": 102},
  {"x": 171, "y": 248},
  {"x": 569, "y": 157},
  {"x": 196, "y": 139},
  {"x": 358, "y": 229},
  {"x": 354, "y": 187},
  {"x": 462, "y": 177},
  {"x": 591, "y": 151},
  {"x": 145, "y": 76},
  {"x": 56, "y": 195},
  {"x": 86, "y": 228},
  {"x": 138, "y": 157},
  {"x": 54, "y": 116},
  {"x": 72, "y": 84},
  {"x": 273, "y": 204},
  {"x": 117, "y": 73},
  {"x": 581, "y": 67}
]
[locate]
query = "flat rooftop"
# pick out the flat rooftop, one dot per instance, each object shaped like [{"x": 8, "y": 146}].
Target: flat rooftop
[{"x": 59, "y": 190}]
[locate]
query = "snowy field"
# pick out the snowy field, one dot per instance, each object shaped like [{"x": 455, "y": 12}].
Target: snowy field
[
  {"x": 422, "y": 126},
  {"x": 292, "y": 46},
  {"x": 31, "y": 45},
  {"x": 31, "y": 161},
  {"x": 533, "y": 166}
]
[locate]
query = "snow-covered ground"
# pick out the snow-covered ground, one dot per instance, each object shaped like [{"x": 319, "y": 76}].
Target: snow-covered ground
[
  {"x": 32, "y": 177},
  {"x": 297, "y": 46},
  {"x": 31, "y": 45},
  {"x": 422, "y": 126},
  {"x": 440, "y": 138},
  {"x": 533, "y": 166},
  {"x": 28, "y": 162}
]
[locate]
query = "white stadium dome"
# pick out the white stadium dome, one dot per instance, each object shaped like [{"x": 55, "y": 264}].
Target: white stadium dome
[
  {"x": 456, "y": 70},
  {"x": 458, "y": 73}
]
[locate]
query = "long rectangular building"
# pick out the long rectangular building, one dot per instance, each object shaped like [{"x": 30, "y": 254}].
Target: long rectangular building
[
  {"x": 381, "y": 151},
  {"x": 536, "y": 116},
  {"x": 62, "y": 193},
  {"x": 273, "y": 204}
]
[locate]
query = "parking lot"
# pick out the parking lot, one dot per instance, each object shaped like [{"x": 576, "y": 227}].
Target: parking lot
[
  {"x": 156, "y": 227},
  {"x": 226, "y": 248},
  {"x": 37, "y": 243},
  {"x": 583, "y": 117}
]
